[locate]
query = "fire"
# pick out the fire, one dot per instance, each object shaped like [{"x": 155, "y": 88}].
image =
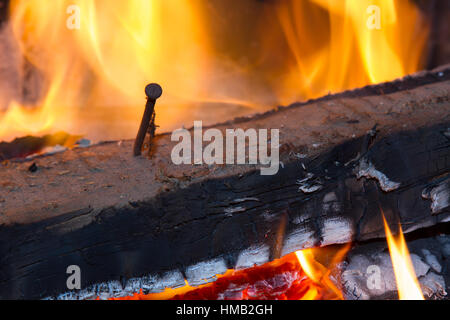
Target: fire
[
  {"x": 317, "y": 272},
  {"x": 95, "y": 58},
  {"x": 105, "y": 64},
  {"x": 340, "y": 45},
  {"x": 407, "y": 284},
  {"x": 304, "y": 275}
]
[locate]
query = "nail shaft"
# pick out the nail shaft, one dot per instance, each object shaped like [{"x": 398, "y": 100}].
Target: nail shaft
[{"x": 153, "y": 92}]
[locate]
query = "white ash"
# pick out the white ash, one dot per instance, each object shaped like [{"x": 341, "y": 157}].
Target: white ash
[
  {"x": 439, "y": 196},
  {"x": 205, "y": 272},
  {"x": 368, "y": 277},
  {"x": 310, "y": 188},
  {"x": 367, "y": 272},
  {"x": 102, "y": 291},
  {"x": 48, "y": 151},
  {"x": 250, "y": 257},
  {"x": 337, "y": 230},
  {"x": 420, "y": 267},
  {"x": 431, "y": 260},
  {"x": 360, "y": 280},
  {"x": 301, "y": 238},
  {"x": 230, "y": 211},
  {"x": 114, "y": 289},
  {"x": 171, "y": 279},
  {"x": 310, "y": 184},
  {"x": 368, "y": 170},
  {"x": 308, "y": 177}
]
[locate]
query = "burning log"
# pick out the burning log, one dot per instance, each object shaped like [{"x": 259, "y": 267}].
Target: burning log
[
  {"x": 117, "y": 216},
  {"x": 367, "y": 272}
]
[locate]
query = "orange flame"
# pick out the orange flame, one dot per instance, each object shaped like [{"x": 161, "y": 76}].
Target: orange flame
[
  {"x": 102, "y": 66},
  {"x": 317, "y": 271},
  {"x": 407, "y": 284},
  {"x": 211, "y": 65},
  {"x": 340, "y": 45}
]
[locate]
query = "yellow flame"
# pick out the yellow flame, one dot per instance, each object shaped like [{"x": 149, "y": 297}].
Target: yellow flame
[
  {"x": 345, "y": 44},
  {"x": 309, "y": 264},
  {"x": 317, "y": 271},
  {"x": 252, "y": 57},
  {"x": 119, "y": 48},
  {"x": 407, "y": 284},
  {"x": 312, "y": 294}
]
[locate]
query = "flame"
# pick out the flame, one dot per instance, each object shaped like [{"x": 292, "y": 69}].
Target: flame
[
  {"x": 339, "y": 45},
  {"x": 317, "y": 271},
  {"x": 105, "y": 64},
  {"x": 407, "y": 284},
  {"x": 210, "y": 64}
]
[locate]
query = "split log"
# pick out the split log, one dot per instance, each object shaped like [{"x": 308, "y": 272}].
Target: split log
[{"x": 119, "y": 217}]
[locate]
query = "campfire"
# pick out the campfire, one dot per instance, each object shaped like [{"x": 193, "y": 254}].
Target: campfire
[{"x": 198, "y": 150}]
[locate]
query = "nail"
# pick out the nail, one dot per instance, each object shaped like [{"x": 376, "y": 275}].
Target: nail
[{"x": 153, "y": 92}]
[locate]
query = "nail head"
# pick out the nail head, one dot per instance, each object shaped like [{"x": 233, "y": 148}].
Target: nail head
[{"x": 153, "y": 91}]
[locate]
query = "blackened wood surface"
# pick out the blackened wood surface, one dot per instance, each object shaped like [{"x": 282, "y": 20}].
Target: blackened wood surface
[
  {"x": 26, "y": 146},
  {"x": 438, "y": 13},
  {"x": 4, "y": 8},
  {"x": 118, "y": 217}
]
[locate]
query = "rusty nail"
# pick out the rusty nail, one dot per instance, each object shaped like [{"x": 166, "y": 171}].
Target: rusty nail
[{"x": 153, "y": 92}]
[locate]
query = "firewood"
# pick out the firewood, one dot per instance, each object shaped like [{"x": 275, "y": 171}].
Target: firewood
[{"x": 344, "y": 158}]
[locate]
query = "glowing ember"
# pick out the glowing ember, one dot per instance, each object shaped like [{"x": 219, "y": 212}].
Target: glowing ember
[
  {"x": 297, "y": 276},
  {"x": 407, "y": 284},
  {"x": 274, "y": 52}
]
